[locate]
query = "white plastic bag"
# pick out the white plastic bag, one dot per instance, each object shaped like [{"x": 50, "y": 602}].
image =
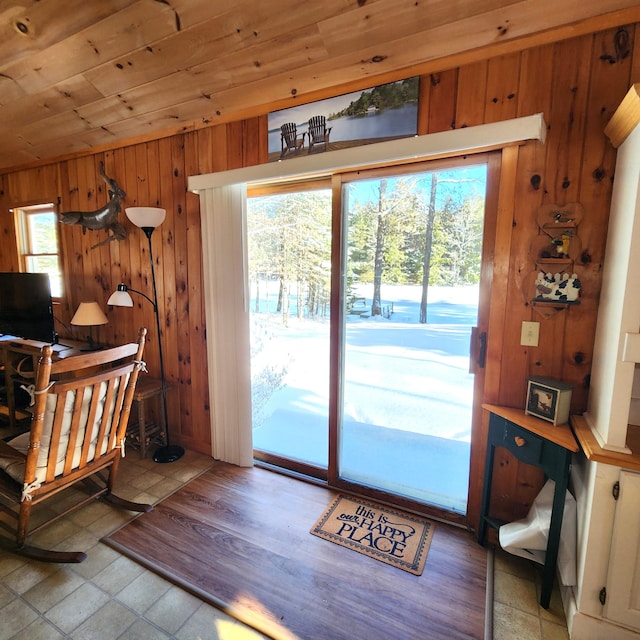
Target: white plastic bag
[{"x": 527, "y": 538}]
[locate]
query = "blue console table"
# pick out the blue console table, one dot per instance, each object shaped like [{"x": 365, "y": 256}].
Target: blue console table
[{"x": 539, "y": 443}]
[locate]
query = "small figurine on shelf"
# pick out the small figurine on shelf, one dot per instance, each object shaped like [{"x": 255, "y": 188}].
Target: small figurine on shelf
[
  {"x": 561, "y": 217},
  {"x": 557, "y": 287},
  {"x": 546, "y": 285},
  {"x": 568, "y": 289},
  {"x": 561, "y": 243}
]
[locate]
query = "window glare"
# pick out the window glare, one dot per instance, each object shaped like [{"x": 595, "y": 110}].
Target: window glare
[
  {"x": 38, "y": 243},
  {"x": 41, "y": 238}
]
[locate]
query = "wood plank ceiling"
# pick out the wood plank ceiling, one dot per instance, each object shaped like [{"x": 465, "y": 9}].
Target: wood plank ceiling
[{"x": 90, "y": 74}]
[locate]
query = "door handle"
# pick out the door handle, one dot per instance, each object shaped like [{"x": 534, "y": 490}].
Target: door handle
[
  {"x": 479, "y": 346},
  {"x": 482, "y": 356}
]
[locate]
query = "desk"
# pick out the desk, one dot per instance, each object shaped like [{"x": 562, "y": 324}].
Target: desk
[
  {"x": 539, "y": 443},
  {"x": 20, "y": 357}
]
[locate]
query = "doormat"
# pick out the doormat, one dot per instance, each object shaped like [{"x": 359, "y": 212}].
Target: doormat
[{"x": 397, "y": 538}]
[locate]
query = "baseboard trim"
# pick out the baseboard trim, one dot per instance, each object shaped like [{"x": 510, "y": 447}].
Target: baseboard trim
[{"x": 488, "y": 604}]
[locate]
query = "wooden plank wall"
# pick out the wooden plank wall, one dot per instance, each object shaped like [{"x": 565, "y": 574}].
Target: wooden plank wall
[{"x": 576, "y": 83}]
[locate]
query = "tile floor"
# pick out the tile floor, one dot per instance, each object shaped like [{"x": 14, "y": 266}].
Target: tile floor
[
  {"x": 516, "y": 593},
  {"x": 109, "y": 597}
]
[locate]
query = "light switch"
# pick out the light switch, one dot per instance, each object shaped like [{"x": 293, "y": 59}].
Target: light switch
[{"x": 530, "y": 334}]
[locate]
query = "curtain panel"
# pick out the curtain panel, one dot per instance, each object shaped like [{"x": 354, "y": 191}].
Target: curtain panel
[{"x": 222, "y": 215}]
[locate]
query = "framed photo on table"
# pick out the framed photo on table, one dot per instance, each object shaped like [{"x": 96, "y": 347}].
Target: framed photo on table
[{"x": 548, "y": 399}]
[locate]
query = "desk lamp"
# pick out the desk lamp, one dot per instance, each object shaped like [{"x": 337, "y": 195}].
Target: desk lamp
[
  {"x": 89, "y": 314},
  {"x": 148, "y": 218}
]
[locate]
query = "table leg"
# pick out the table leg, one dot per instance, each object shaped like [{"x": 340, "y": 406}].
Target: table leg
[
  {"x": 486, "y": 489},
  {"x": 142, "y": 429},
  {"x": 555, "y": 528}
]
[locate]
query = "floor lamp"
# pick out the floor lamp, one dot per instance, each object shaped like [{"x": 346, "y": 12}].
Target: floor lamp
[{"x": 148, "y": 218}]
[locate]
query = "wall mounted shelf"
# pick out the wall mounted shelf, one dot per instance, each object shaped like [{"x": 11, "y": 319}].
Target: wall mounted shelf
[{"x": 554, "y": 252}]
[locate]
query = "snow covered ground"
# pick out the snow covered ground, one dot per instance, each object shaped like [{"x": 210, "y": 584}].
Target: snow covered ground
[{"x": 407, "y": 393}]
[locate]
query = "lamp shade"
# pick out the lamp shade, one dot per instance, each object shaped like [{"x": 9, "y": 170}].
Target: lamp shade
[
  {"x": 120, "y": 297},
  {"x": 89, "y": 314},
  {"x": 150, "y": 217}
]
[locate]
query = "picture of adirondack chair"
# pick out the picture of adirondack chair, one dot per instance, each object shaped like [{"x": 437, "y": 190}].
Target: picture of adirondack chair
[
  {"x": 289, "y": 138},
  {"x": 318, "y": 132}
]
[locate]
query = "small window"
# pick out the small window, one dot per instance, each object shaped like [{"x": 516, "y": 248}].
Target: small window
[{"x": 38, "y": 243}]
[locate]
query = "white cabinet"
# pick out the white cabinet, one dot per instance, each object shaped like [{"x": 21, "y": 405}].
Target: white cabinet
[
  {"x": 605, "y": 602},
  {"x": 622, "y": 604},
  {"x": 613, "y": 368}
]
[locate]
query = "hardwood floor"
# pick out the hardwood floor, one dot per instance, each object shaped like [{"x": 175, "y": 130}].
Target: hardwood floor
[{"x": 240, "y": 539}]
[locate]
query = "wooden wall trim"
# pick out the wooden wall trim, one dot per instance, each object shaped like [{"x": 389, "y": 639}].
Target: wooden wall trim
[
  {"x": 498, "y": 305},
  {"x": 626, "y": 117}
]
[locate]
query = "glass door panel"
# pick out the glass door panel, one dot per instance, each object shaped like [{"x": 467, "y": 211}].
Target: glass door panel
[
  {"x": 289, "y": 258},
  {"x": 412, "y": 248}
]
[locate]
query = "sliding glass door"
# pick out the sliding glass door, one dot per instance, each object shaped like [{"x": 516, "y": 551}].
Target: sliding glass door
[{"x": 368, "y": 385}]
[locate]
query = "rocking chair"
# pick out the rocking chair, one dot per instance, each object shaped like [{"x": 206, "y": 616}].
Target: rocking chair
[
  {"x": 80, "y": 414},
  {"x": 318, "y": 132},
  {"x": 289, "y": 138}
]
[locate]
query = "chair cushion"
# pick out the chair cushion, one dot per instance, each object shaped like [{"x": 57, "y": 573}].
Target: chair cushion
[{"x": 16, "y": 469}]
